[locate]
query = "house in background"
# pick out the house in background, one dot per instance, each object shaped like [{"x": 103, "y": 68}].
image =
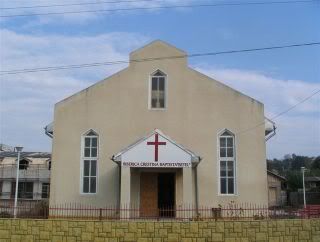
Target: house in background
[
  {"x": 34, "y": 176},
  {"x": 277, "y": 194},
  {"x": 4, "y": 147},
  {"x": 312, "y": 183}
]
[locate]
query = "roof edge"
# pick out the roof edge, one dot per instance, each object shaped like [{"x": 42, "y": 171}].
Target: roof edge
[
  {"x": 87, "y": 88},
  {"x": 235, "y": 90},
  {"x": 155, "y": 41},
  {"x": 276, "y": 175},
  {"x": 194, "y": 157}
]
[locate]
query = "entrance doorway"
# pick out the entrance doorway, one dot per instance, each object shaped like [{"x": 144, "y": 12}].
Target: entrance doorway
[
  {"x": 166, "y": 194},
  {"x": 157, "y": 194}
]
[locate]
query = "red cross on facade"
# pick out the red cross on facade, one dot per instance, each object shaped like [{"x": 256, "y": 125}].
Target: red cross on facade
[{"x": 156, "y": 143}]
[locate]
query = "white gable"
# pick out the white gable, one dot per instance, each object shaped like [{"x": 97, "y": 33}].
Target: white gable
[{"x": 156, "y": 150}]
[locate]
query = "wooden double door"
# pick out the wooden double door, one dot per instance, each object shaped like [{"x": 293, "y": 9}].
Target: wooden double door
[{"x": 157, "y": 194}]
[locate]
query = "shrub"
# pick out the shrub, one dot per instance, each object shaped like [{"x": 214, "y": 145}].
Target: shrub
[{"x": 4, "y": 214}]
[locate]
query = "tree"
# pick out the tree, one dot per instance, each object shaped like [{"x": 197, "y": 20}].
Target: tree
[
  {"x": 300, "y": 161},
  {"x": 290, "y": 167},
  {"x": 316, "y": 163},
  {"x": 294, "y": 180}
]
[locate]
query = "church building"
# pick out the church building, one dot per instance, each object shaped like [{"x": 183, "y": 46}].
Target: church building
[{"x": 159, "y": 133}]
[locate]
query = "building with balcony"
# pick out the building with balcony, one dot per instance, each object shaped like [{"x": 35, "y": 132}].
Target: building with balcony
[{"x": 34, "y": 176}]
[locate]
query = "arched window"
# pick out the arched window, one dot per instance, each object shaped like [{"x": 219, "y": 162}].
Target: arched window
[
  {"x": 227, "y": 162},
  {"x": 158, "y": 90},
  {"x": 89, "y": 162}
]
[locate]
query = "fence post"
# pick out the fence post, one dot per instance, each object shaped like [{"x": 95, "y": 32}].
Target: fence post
[{"x": 100, "y": 214}]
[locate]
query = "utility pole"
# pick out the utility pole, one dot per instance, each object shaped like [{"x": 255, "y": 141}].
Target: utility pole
[
  {"x": 304, "y": 188},
  {"x": 18, "y": 149}
]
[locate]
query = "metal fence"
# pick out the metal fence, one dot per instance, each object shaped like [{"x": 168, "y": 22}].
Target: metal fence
[
  {"x": 25, "y": 209},
  {"x": 41, "y": 210},
  {"x": 296, "y": 198}
]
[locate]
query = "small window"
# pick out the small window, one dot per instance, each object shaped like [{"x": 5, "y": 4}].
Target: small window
[
  {"x": 89, "y": 162},
  {"x": 227, "y": 163},
  {"x": 45, "y": 190},
  {"x": 25, "y": 190},
  {"x": 158, "y": 90},
  {"x": 23, "y": 164}
]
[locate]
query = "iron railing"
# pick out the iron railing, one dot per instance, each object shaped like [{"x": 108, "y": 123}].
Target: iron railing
[
  {"x": 24, "y": 195},
  {"x": 31, "y": 171},
  {"x": 40, "y": 209}
]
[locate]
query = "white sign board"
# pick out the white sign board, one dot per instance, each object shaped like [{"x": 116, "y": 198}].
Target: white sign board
[{"x": 156, "y": 151}]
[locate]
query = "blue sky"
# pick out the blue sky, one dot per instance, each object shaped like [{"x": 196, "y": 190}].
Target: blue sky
[{"x": 278, "y": 78}]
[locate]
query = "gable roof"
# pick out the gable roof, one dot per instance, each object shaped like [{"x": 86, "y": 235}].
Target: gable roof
[
  {"x": 269, "y": 125},
  {"x": 141, "y": 49},
  {"x": 276, "y": 175},
  {"x": 117, "y": 157},
  {"x": 312, "y": 179},
  {"x": 223, "y": 84},
  {"x": 158, "y": 42}
]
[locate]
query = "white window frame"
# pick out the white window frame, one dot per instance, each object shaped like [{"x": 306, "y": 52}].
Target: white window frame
[
  {"x": 83, "y": 158},
  {"x": 234, "y": 159},
  {"x": 47, "y": 185},
  {"x": 165, "y": 91}
]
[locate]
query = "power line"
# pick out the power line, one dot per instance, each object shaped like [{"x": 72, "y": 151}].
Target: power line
[
  {"x": 282, "y": 113},
  {"x": 159, "y": 7},
  {"x": 110, "y": 2},
  {"x": 78, "y": 4},
  {"x": 294, "y": 106},
  {"x": 86, "y": 65}
]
